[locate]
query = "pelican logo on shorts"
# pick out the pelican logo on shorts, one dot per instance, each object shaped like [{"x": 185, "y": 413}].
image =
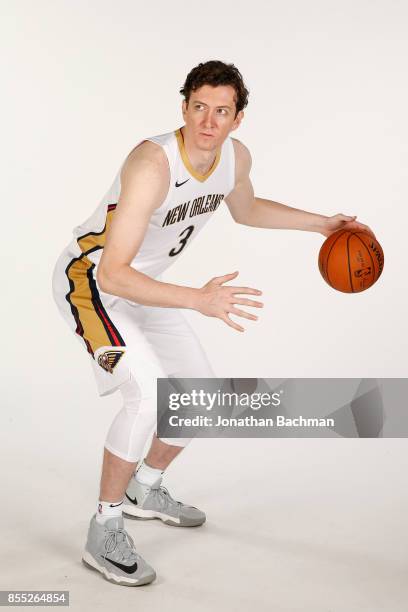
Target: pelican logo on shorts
[{"x": 108, "y": 360}]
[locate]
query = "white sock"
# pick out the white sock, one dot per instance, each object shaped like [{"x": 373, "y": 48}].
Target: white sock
[
  {"x": 147, "y": 475},
  {"x": 105, "y": 510}
]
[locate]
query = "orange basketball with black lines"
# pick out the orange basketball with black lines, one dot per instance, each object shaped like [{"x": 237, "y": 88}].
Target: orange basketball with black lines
[{"x": 351, "y": 261}]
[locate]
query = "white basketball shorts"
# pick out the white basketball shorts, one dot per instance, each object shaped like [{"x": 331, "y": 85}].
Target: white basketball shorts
[{"x": 124, "y": 339}]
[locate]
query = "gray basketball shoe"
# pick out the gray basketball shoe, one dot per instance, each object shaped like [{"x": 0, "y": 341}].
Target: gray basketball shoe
[
  {"x": 110, "y": 550},
  {"x": 145, "y": 502}
]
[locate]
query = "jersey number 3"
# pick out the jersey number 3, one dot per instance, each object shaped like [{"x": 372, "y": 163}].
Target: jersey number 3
[{"x": 187, "y": 233}]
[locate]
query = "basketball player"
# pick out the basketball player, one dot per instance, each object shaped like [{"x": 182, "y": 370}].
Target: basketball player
[{"x": 107, "y": 286}]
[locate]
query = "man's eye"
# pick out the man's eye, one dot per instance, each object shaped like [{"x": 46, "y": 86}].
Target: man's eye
[{"x": 221, "y": 111}]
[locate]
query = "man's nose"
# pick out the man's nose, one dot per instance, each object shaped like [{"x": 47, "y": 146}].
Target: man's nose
[{"x": 209, "y": 119}]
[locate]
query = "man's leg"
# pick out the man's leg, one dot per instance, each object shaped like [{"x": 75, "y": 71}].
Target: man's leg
[
  {"x": 143, "y": 496},
  {"x": 116, "y": 472},
  {"x": 181, "y": 355},
  {"x": 129, "y": 430},
  {"x": 109, "y": 548},
  {"x": 160, "y": 454}
]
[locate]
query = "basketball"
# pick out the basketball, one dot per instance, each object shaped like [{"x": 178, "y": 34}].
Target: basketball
[{"x": 351, "y": 261}]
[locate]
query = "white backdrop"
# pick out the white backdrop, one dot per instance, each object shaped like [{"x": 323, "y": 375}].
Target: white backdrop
[
  {"x": 326, "y": 125},
  {"x": 327, "y": 128}
]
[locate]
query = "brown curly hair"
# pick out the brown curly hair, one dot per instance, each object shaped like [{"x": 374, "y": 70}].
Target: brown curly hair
[{"x": 215, "y": 72}]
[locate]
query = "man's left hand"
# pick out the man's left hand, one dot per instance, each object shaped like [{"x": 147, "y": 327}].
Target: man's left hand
[{"x": 340, "y": 221}]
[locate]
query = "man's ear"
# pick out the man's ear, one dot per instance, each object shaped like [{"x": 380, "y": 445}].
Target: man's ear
[
  {"x": 237, "y": 120},
  {"x": 184, "y": 107}
]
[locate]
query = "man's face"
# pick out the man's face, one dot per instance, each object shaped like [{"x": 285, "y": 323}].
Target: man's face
[{"x": 210, "y": 115}]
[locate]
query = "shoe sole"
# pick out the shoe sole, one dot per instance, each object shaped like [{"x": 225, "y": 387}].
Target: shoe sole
[
  {"x": 148, "y": 515},
  {"x": 91, "y": 563}
]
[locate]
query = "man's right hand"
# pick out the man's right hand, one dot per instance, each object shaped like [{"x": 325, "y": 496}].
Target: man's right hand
[{"x": 215, "y": 299}]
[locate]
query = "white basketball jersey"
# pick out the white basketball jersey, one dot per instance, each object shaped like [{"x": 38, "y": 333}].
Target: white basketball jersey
[{"x": 191, "y": 200}]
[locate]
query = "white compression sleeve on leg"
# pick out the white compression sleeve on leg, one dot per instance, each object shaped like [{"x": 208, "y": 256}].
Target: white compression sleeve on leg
[{"x": 133, "y": 423}]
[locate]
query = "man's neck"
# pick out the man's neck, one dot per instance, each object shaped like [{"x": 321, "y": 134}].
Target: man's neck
[{"x": 201, "y": 161}]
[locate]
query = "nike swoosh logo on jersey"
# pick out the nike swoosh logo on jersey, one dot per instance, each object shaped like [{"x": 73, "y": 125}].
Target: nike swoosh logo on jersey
[
  {"x": 134, "y": 501},
  {"x": 129, "y": 569},
  {"x": 180, "y": 184}
]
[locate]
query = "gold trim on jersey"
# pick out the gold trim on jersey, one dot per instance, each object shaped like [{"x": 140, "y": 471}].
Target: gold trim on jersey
[
  {"x": 93, "y": 322},
  {"x": 187, "y": 163}
]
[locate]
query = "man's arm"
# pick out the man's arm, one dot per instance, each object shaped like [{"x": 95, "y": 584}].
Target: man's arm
[
  {"x": 247, "y": 209},
  {"x": 144, "y": 184}
]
